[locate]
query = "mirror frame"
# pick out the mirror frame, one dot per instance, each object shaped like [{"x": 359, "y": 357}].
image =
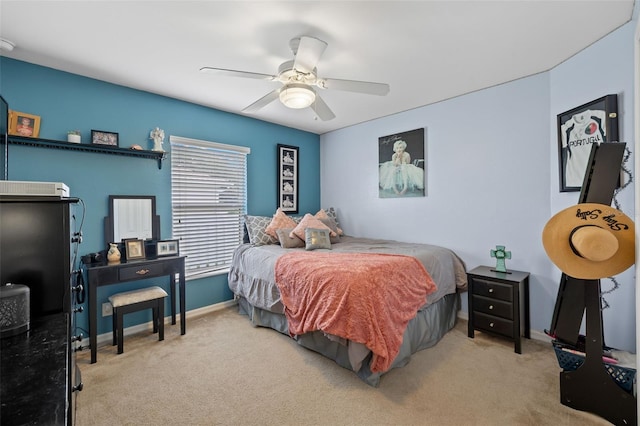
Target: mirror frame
[{"x": 108, "y": 221}]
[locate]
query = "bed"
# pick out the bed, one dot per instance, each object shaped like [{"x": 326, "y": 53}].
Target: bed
[{"x": 268, "y": 302}]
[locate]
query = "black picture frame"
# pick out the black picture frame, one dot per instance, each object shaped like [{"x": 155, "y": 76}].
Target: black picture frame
[
  {"x": 100, "y": 137},
  {"x": 167, "y": 248},
  {"x": 579, "y": 128},
  {"x": 402, "y": 165},
  {"x": 288, "y": 160},
  {"x": 134, "y": 249}
]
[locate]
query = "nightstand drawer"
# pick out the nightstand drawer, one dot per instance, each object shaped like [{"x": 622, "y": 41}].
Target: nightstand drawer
[
  {"x": 493, "y": 324},
  {"x": 140, "y": 271},
  {"x": 492, "y": 289},
  {"x": 493, "y": 307}
]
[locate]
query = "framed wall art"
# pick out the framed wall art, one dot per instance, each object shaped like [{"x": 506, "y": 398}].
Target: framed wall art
[
  {"x": 23, "y": 124},
  {"x": 100, "y": 137},
  {"x": 134, "y": 249},
  {"x": 402, "y": 165},
  {"x": 578, "y": 129},
  {"x": 288, "y": 178}
]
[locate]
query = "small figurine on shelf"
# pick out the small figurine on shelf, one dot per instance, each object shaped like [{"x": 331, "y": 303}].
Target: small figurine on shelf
[{"x": 157, "y": 135}]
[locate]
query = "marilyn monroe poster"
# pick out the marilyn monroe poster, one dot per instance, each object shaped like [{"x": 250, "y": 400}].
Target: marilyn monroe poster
[{"x": 401, "y": 165}]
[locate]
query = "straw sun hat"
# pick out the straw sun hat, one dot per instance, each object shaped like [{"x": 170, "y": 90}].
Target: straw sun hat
[{"x": 590, "y": 241}]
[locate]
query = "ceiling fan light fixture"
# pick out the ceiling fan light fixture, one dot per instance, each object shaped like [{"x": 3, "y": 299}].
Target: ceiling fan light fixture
[
  {"x": 297, "y": 96},
  {"x": 6, "y": 45}
]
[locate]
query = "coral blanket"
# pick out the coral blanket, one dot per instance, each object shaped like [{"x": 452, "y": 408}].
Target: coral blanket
[{"x": 366, "y": 298}]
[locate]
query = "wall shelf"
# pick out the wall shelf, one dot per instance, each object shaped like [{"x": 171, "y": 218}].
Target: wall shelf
[{"x": 105, "y": 149}]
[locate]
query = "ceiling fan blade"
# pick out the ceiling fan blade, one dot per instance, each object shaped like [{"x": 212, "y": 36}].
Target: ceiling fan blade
[
  {"x": 263, "y": 101},
  {"x": 369, "y": 88},
  {"x": 236, "y": 73},
  {"x": 322, "y": 110},
  {"x": 308, "y": 53}
]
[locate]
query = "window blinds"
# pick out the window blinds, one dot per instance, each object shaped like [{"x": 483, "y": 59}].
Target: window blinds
[{"x": 208, "y": 199}]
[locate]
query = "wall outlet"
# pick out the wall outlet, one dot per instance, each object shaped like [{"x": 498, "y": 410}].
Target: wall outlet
[{"x": 107, "y": 309}]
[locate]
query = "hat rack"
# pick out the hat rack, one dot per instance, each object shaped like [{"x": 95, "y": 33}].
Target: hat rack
[{"x": 591, "y": 388}]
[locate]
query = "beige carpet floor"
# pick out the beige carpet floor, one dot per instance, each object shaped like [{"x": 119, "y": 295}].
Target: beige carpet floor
[{"x": 226, "y": 372}]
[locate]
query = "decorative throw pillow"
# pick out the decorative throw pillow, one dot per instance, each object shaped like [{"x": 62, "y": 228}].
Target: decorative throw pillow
[
  {"x": 309, "y": 221},
  {"x": 331, "y": 212},
  {"x": 256, "y": 226},
  {"x": 317, "y": 239},
  {"x": 286, "y": 241},
  {"x": 332, "y": 216},
  {"x": 280, "y": 220},
  {"x": 245, "y": 234},
  {"x": 331, "y": 224}
]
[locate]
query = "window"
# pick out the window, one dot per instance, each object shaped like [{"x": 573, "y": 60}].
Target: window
[{"x": 208, "y": 199}]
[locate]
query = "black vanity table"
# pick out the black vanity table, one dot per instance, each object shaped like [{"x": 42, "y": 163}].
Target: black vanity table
[{"x": 101, "y": 274}]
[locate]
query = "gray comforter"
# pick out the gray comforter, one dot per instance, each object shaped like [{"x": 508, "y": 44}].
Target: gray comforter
[{"x": 252, "y": 273}]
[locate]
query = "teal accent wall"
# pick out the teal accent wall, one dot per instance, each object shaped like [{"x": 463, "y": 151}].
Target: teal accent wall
[{"x": 67, "y": 101}]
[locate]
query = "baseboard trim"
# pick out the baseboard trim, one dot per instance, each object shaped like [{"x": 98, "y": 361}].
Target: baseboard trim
[
  {"x": 535, "y": 334},
  {"x": 107, "y": 337}
]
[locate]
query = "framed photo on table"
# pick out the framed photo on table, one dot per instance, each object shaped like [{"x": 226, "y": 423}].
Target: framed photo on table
[
  {"x": 134, "y": 249},
  {"x": 23, "y": 124},
  {"x": 288, "y": 178},
  {"x": 578, "y": 129},
  {"x": 167, "y": 248}
]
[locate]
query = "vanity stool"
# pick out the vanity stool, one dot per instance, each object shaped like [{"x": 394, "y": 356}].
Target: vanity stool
[{"x": 133, "y": 301}]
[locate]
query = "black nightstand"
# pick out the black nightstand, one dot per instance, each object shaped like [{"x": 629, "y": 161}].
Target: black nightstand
[{"x": 499, "y": 303}]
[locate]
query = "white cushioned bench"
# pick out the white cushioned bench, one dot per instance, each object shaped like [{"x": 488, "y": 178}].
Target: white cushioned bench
[{"x": 133, "y": 301}]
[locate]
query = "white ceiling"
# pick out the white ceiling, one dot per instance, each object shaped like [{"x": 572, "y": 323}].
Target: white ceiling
[{"x": 427, "y": 51}]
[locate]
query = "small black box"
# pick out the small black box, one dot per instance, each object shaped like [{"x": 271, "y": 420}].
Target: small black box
[{"x": 151, "y": 248}]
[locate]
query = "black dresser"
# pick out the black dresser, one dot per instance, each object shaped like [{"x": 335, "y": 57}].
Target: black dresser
[{"x": 35, "y": 368}]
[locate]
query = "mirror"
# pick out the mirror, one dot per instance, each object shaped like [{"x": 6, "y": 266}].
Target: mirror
[{"x": 132, "y": 216}]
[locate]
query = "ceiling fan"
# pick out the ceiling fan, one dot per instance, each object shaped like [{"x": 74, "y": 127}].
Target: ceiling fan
[{"x": 300, "y": 80}]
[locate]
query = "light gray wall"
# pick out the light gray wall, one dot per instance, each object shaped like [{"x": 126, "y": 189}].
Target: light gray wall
[{"x": 492, "y": 173}]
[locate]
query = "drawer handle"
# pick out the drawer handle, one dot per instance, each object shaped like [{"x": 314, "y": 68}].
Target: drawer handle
[
  {"x": 490, "y": 307},
  {"x": 491, "y": 324},
  {"x": 490, "y": 290},
  {"x": 142, "y": 272}
]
